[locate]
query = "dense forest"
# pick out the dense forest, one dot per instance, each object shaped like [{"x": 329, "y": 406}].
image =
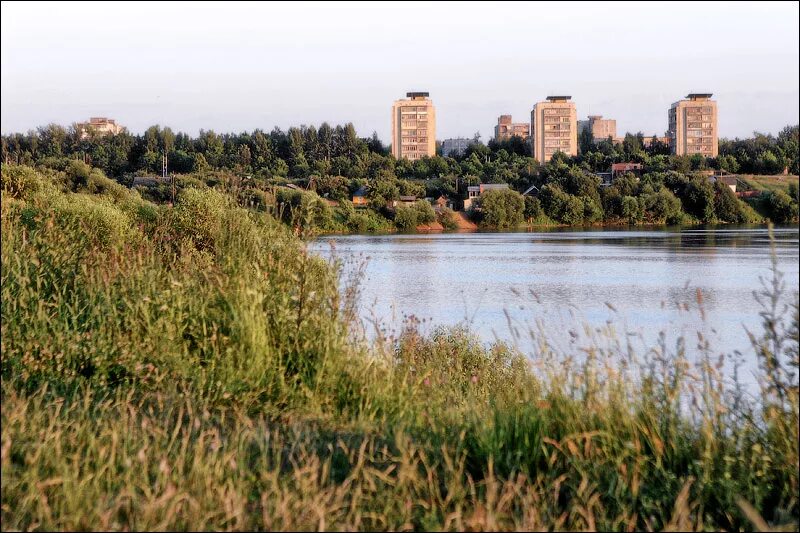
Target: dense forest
[{"x": 334, "y": 162}]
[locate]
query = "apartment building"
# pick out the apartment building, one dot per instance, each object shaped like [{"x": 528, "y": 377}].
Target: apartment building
[
  {"x": 506, "y": 129},
  {"x": 101, "y": 125},
  {"x": 601, "y": 128},
  {"x": 693, "y": 126},
  {"x": 554, "y": 128},
  {"x": 455, "y": 147},
  {"x": 414, "y": 127}
]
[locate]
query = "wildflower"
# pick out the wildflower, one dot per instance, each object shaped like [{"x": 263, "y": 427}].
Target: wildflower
[{"x": 474, "y": 378}]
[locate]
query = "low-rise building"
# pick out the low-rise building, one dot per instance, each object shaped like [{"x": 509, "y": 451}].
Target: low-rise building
[
  {"x": 475, "y": 191},
  {"x": 406, "y": 201},
  {"x": 621, "y": 168},
  {"x": 506, "y": 129},
  {"x": 730, "y": 180},
  {"x": 455, "y": 147},
  {"x": 647, "y": 142},
  {"x": 600, "y": 128},
  {"x": 360, "y": 197},
  {"x": 99, "y": 125}
]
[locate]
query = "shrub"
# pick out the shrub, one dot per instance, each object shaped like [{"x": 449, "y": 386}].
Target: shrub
[
  {"x": 425, "y": 212},
  {"x": 406, "y": 218},
  {"x": 447, "y": 218},
  {"x": 501, "y": 208}
]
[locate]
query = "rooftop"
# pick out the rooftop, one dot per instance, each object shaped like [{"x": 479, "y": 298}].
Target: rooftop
[
  {"x": 558, "y": 98},
  {"x": 417, "y": 94},
  {"x": 698, "y": 96}
]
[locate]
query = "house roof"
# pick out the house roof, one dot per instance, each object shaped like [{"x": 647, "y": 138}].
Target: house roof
[
  {"x": 362, "y": 191},
  {"x": 408, "y": 198},
  {"x": 625, "y": 166},
  {"x": 493, "y": 186}
]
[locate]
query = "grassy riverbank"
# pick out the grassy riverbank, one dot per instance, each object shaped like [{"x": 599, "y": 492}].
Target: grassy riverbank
[{"x": 195, "y": 368}]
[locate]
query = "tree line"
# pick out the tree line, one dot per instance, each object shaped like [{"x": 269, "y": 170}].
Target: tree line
[{"x": 334, "y": 162}]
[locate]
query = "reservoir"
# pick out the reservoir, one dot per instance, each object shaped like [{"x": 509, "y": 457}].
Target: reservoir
[{"x": 574, "y": 287}]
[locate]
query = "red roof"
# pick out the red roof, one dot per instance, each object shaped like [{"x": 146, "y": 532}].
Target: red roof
[{"x": 622, "y": 167}]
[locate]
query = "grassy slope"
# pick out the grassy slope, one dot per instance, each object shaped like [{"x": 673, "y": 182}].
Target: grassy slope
[{"x": 195, "y": 368}]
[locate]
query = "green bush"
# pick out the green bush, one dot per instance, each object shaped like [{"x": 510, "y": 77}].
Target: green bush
[
  {"x": 502, "y": 208},
  {"x": 406, "y": 218},
  {"x": 425, "y": 212}
]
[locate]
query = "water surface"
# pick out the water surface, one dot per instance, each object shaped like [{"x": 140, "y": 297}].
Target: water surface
[{"x": 503, "y": 283}]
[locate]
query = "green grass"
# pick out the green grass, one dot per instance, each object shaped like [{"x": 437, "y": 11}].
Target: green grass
[
  {"x": 195, "y": 368},
  {"x": 769, "y": 183}
]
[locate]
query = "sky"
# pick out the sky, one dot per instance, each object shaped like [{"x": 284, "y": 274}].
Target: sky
[{"x": 235, "y": 67}]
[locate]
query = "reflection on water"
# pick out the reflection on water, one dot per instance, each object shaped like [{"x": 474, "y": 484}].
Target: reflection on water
[{"x": 501, "y": 281}]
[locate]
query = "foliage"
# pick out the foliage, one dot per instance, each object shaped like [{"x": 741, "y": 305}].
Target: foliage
[
  {"x": 502, "y": 208},
  {"x": 195, "y": 368}
]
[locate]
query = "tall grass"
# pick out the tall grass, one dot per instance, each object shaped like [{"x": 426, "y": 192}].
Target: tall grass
[{"x": 196, "y": 368}]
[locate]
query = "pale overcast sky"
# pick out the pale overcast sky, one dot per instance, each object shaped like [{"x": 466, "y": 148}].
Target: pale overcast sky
[{"x": 235, "y": 67}]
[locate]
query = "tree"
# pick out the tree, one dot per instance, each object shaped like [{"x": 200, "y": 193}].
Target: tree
[
  {"x": 533, "y": 208},
  {"x": 586, "y": 141},
  {"x": 502, "y": 208},
  {"x": 425, "y": 212},
  {"x": 781, "y": 208},
  {"x": 631, "y": 209}
]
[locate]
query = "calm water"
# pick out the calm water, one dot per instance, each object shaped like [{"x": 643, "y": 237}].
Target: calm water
[{"x": 503, "y": 283}]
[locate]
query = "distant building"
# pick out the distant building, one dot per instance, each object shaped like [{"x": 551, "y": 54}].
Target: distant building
[
  {"x": 474, "y": 191},
  {"x": 506, "y": 129},
  {"x": 149, "y": 181},
  {"x": 414, "y": 127},
  {"x": 554, "y": 128},
  {"x": 622, "y": 168},
  {"x": 406, "y": 201},
  {"x": 601, "y": 128},
  {"x": 731, "y": 180},
  {"x": 693, "y": 126},
  {"x": 443, "y": 202},
  {"x": 360, "y": 197},
  {"x": 100, "y": 125},
  {"x": 455, "y": 147},
  {"x": 648, "y": 141}
]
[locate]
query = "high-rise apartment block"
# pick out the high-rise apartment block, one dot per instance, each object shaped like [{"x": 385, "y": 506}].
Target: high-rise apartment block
[
  {"x": 554, "y": 128},
  {"x": 414, "y": 127},
  {"x": 506, "y": 129},
  {"x": 601, "y": 128},
  {"x": 101, "y": 125},
  {"x": 693, "y": 126}
]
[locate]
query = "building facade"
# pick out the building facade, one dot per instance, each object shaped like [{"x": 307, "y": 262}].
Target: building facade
[
  {"x": 693, "y": 126},
  {"x": 506, "y": 129},
  {"x": 101, "y": 125},
  {"x": 455, "y": 147},
  {"x": 554, "y": 128},
  {"x": 601, "y": 128},
  {"x": 414, "y": 127}
]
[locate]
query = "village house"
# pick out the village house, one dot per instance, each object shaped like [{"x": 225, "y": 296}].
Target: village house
[
  {"x": 617, "y": 169},
  {"x": 360, "y": 197},
  {"x": 406, "y": 201},
  {"x": 474, "y": 191}
]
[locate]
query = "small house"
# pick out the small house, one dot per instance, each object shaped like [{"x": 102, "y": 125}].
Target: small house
[
  {"x": 360, "y": 197},
  {"x": 729, "y": 179},
  {"x": 617, "y": 169},
  {"x": 474, "y": 191}
]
